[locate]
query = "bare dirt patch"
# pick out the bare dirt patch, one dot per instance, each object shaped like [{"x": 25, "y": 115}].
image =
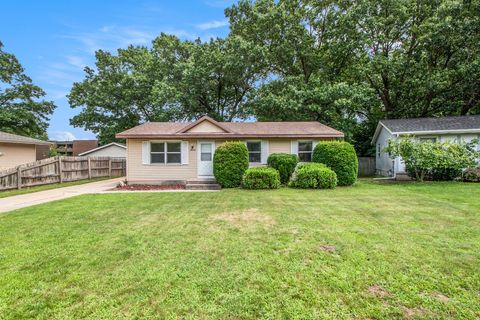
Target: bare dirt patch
[
  {"x": 378, "y": 291},
  {"x": 245, "y": 219},
  {"x": 410, "y": 313},
  {"x": 327, "y": 248},
  {"x": 441, "y": 297},
  {"x": 137, "y": 187}
]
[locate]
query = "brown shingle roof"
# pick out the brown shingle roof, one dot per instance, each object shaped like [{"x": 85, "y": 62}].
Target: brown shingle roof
[
  {"x": 15, "y": 138},
  {"x": 305, "y": 129}
]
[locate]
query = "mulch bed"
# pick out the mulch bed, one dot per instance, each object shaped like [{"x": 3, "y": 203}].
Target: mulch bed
[{"x": 151, "y": 187}]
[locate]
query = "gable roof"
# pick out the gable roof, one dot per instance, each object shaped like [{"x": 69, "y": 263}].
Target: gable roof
[
  {"x": 103, "y": 147},
  {"x": 233, "y": 130},
  {"x": 204, "y": 119},
  {"x": 15, "y": 138},
  {"x": 456, "y": 124}
]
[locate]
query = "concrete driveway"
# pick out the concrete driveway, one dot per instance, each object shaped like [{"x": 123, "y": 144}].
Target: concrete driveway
[{"x": 30, "y": 199}]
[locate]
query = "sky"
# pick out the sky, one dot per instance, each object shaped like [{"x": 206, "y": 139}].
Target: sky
[{"x": 55, "y": 40}]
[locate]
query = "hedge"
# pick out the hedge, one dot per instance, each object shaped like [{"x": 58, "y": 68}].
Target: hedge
[
  {"x": 229, "y": 163},
  {"x": 284, "y": 163},
  {"x": 313, "y": 176},
  {"x": 261, "y": 178},
  {"x": 340, "y": 156}
]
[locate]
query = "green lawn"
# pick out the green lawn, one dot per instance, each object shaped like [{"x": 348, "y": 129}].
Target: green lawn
[
  {"x": 16, "y": 192},
  {"x": 369, "y": 251}
]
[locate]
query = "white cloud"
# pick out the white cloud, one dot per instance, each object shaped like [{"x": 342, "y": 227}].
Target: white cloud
[
  {"x": 111, "y": 38},
  {"x": 76, "y": 61},
  {"x": 62, "y": 136},
  {"x": 212, "y": 24}
]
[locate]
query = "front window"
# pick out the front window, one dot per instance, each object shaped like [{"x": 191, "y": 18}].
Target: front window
[
  {"x": 254, "y": 151},
  {"x": 165, "y": 152},
  {"x": 428, "y": 139},
  {"x": 305, "y": 149}
]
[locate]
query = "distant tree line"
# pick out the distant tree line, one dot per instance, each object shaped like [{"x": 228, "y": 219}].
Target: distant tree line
[{"x": 341, "y": 62}]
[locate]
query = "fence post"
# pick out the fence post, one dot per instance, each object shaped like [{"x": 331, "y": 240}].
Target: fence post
[
  {"x": 89, "y": 168},
  {"x": 60, "y": 169},
  {"x": 109, "y": 167},
  {"x": 19, "y": 178}
]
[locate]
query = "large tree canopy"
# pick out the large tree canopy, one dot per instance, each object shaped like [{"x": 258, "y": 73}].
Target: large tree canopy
[
  {"x": 21, "y": 109},
  {"x": 344, "y": 63},
  {"x": 172, "y": 80},
  {"x": 350, "y": 63}
]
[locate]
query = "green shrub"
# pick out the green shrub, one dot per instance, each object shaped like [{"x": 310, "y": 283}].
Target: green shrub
[
  {"x": 229, "y": 163},
  {"x": 314, "y": 176},
  {"x": 261, "y": 178},
  {"x": 433, "y": 160},
  {"x": 284, "y": 163},
  {"x": 472, "y": 174},
  {"x": 340, "y": 156}
]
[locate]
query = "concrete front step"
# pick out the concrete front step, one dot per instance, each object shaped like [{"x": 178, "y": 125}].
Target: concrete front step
[
  {"x": 202, "y": 186},
  {"x": 209, "y": 181}
]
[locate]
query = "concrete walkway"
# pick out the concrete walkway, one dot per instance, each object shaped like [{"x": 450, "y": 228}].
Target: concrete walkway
[{"x": 30, "y": 199}]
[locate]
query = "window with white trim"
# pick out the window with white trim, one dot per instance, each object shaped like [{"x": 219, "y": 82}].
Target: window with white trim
[
  {"x": 254, "y": 151},
  {"x": 428, "y": 139},
  {"x": 379, "y": 148},
  {"x": 166, "y": 152},
  {"x": 305, "y": 150}
]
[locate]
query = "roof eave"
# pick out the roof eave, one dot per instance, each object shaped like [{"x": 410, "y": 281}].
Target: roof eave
[
  {"x": 39, "y": 143},
  {"x": 227, "y": 136}
]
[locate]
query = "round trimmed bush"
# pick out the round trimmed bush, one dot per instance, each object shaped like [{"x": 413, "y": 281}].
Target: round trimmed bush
[
  {"x": 340, "y": 156},
  {"x": 284, "y": 163},
  {"x": 314, "y": 176},
  {"x": 229, "y": 163},
  {"x": 261, "y": 178}
]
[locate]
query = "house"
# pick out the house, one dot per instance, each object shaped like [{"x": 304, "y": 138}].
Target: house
[
  {"x": 460, "y": 128},
  {"x": 114, "y": 150},
  {"x": 16, "y": 150},
  {"x": 159, "y": 152},
  {"x": 74, "y": 147}
]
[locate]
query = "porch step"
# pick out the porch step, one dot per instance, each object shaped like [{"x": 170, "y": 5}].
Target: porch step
[
  {"x": 202, "y": 186},
  {"x": 209, "y": 181}
]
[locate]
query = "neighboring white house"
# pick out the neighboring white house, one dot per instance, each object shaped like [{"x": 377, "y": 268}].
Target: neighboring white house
[
  {"x": 114, "y": 150},
  {"x": 461, "y": 129}
]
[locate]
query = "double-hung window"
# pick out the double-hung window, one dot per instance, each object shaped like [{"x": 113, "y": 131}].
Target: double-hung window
[
  {"x": 305, "y": 149},
  {"x": 166, "y": 152},
  {"x": 254, "y": 151}
]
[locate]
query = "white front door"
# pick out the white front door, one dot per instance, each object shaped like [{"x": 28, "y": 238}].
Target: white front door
[{"x": 206, "y": 150}]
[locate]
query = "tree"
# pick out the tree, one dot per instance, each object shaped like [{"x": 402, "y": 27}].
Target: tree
[
  {"x": 218, "y": 78},
  {"x": 173, "y": 80},
  {"x": 129, "y": 88},
  {"x": 22, "y": 111},
  {"x": 351, "y": 63}
]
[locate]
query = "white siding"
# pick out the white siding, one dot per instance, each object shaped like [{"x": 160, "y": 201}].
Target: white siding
[
  {"x": 110, "y": 151},
  {"x": 384, "y": 164}
]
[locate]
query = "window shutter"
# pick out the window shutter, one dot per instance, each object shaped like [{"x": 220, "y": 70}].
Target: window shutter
[
  {"x": 146, "y": 152},
  {"x": 314, "y": 144},
  {"x": 294, "y": 147},
  {"x": 184, "y": 153},
  {"x": 264, "y": 150}
]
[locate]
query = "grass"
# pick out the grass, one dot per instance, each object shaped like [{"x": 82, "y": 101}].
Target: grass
[
  {"x": 371, "y": 251},
  {"x": 25, "y": 190}
]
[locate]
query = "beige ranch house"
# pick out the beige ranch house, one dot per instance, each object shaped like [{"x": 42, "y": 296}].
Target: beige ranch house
[
  {"x": 16, "y": 150},
  {"x": 162, "y": 152}
]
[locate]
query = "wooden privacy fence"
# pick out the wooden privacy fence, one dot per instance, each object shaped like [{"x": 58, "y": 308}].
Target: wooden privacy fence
[
  {"x": 366, "y": 166},
  {"x": 61, "y": 169}
]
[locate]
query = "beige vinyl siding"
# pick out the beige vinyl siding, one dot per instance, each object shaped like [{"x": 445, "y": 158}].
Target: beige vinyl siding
[
  {"x": 151, "y": 173},
  {"x": 279, "y": 146},
  {"x": 156, "y": 173},
  {"x": 13, "y": 154},
  {"x": 206, "y": 126}
]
